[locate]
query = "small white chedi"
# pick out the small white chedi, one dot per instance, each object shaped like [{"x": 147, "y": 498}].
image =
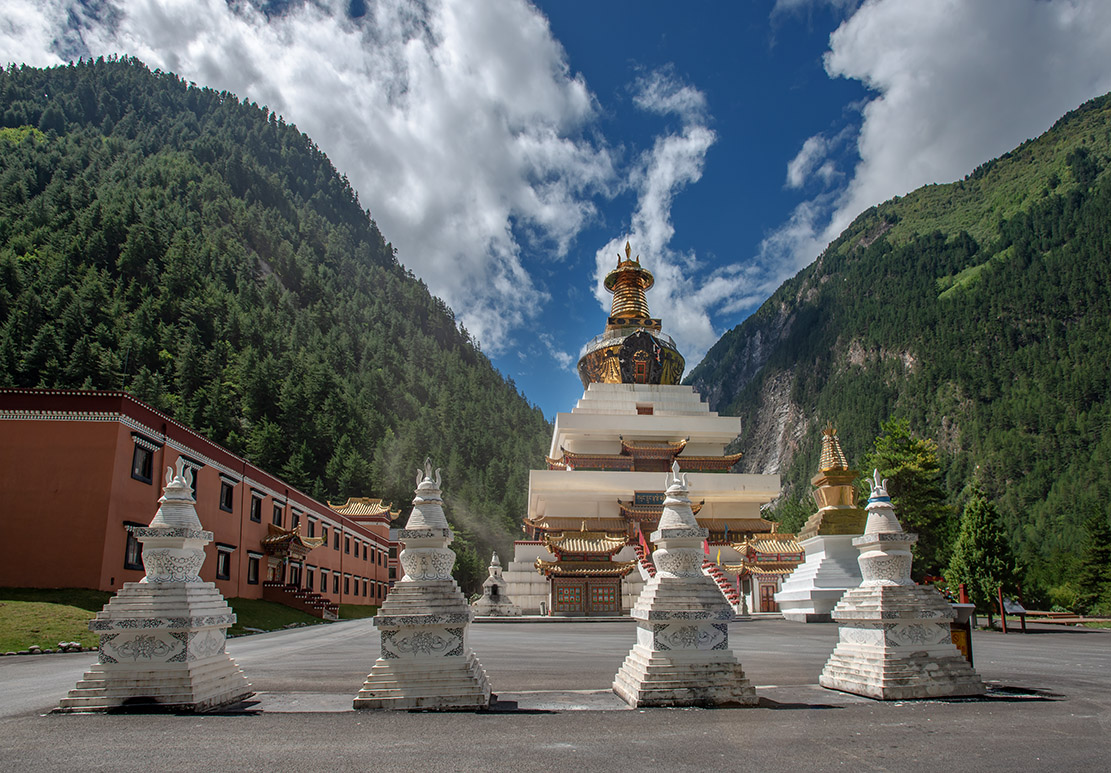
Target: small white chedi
[
  {"x": 162, "y": 638},
  {"x": 682, "y": 655},
  {"x": 895, "y": 641},
  {"x": 495, "y": 601},
  {"x": 425, "y": 662}
]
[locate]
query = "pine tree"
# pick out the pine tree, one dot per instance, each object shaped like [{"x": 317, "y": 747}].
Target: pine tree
[
  {"x": 1094, "y": 578},
  {"x": 911, "y": 467},
  {"x": 982, "y": 557}
]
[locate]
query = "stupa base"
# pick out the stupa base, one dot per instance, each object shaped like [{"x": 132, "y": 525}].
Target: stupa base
[
  {"x": 442, "y": 684},
  {"x": 900, "y": 676},
  {"x": 197, "y": 686},
  {"x": 647, "y": 678}
]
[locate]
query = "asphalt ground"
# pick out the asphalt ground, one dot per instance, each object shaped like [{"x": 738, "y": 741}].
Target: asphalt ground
[{"x": 1048, "y": 708}]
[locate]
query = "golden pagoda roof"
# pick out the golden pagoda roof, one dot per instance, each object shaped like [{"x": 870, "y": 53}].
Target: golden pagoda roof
[
  {"x": 832, "y": 458},
  {"x": 557, "y": 524},
  {"x": 584, "y": 568},
  {"x": 364, "y": 506},
  {"x": 628, "y": 282},
  {"x": 585, "y": 542}
]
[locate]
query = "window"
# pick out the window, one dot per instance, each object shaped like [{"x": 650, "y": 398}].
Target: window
[
  {"x": 335, "y": 539},
  {"x": 312, "y": 527},
  {"x": 296, "y": 520},
  {"x": 324, "y": 533},
  {"x": 346, "y": 584},
  {"x": 392, "y": 573},
  {"x": 133, "y": 549},
  {"x": 381, "y": 559},
  {"x": 142, "y": 464},
  {"x": 644, "y": 410},
  {"x": 393, "y": 551},
  {"x": 253, "y": 561},
  {"x": 310, "y": 577},
  {"x": 256, "y": 507},
  {"x": 227, "y": 491},
  {"x": 323, "y": 580},
  {"x": 223, "y": 561},
  {"x": 364, "y": 586},
  {"x": 335, "y": 582},
  {"x": 278, "y": 514},
  {"x": 364, "y": 551},
  {"x": 346, "y": 544}
]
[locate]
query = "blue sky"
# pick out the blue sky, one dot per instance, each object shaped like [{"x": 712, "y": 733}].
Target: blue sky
[{"x": 508, "y": 149}]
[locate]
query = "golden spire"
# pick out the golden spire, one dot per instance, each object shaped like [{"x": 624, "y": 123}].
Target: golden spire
[
  {"x": 832, "y": 458},
  {"x": 628, "y": 283}
]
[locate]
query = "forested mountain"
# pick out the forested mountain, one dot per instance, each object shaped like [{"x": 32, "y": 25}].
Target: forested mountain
[
  {"x": 980, "y": 311},
  {"x": 200, "y": 253}
]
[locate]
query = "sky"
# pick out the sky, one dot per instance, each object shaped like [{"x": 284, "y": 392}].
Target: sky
[{"x": 508, "y": 149}]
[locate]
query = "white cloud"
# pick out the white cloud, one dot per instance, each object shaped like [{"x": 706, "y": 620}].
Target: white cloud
[
  {"x": 683, "y": 298},
  {"x": 955, "y": 83},
  {"x": 810, "y": 156},
  {"x": 458, "y": 121}
]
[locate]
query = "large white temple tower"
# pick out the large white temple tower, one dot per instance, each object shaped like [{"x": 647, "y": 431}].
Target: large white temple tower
[{"x": 592, "y": 511}]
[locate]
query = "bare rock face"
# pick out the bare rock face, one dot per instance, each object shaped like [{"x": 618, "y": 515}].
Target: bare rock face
[
  {"x": 162, "y": 638},
  {"x": 424, "y": 660},
  {"x": 682, "y": 655},
  {"x": 895, "y": 641}
]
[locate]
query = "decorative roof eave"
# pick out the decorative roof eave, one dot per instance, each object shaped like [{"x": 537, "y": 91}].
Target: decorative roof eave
[
  {"x": 652, "y": 449},
  {"x": 604, "y": 461},
  {"x": 596, "y": 543},
  {"x": 777, "y": 569},
  {"x": 705, "y": 463},
  {"x": 279, "y": 540},
  {"x": 557, "y": 524},
  {"x": 362, "y": 507},
  {"x": 635, "y": 512},
  {"x": 780, "y": 545},
  {"x": 738, "y": 526},
  {"x": 584, "y": 568}
]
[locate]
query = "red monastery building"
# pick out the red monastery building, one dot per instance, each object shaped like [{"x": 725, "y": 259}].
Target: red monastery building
[{"x": 78, "y": 467}]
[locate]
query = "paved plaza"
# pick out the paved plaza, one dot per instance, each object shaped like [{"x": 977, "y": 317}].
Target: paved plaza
[{"x": 1049, "y": 707}]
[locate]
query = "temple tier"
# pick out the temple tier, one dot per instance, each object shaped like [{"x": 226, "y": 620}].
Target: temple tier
[
  {"x": 162, "y": 638},
  {"x": 424, "y": 660},
  {"x": 830, "y": 567},
  {"x": 895, "y": 641},
  {"x": 682, "y": 655}
]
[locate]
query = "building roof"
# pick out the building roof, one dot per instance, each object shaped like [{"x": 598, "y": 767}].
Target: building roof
[
  {"x": 278, "y": 541},
  {"x": 585, "y": 542},
  {"x": 772, "y": 545},
  {"x": 584, "y": 568},
  {"x": 363, "y": 507},
  {"x": 568, "y": 524},
  {"x": 737, "y": 525},
  {"x": 769, "y": 569}
]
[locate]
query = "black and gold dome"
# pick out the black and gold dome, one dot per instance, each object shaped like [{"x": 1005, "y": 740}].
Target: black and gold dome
[{"x": 632, "y": 350}]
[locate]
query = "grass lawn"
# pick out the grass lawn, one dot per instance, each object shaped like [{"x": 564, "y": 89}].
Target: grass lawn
[
  {"x": 356, "y": 611},
  {"x": 266, "y": 615},
  {"x": 45, "y": 617}
]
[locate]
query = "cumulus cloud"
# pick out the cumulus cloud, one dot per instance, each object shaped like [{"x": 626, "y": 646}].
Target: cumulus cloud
[
  {"x": 954, "y": 83},
  {"x": 458, "y": 121}
]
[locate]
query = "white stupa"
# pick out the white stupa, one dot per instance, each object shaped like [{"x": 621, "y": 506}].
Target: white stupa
[
  {"x": 495, "y": 601},
  {"x": 682, "y": 655},
  {"x": 162, "y": 638},
  {"x": 895, "y": 641},
  {"x": 425, "y": 662}
]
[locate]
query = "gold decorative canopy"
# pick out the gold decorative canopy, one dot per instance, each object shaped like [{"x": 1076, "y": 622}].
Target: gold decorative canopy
[{"x": 631, "y": 350}]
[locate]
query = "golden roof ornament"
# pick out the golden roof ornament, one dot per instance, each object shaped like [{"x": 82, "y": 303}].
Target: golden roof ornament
[{"x": 832, "y": 458}]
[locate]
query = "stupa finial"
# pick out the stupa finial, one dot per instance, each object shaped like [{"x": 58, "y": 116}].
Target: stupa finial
[
  {"x": 426, "y": 474},
  {"x": 675, "y": 478},
  {"x": 878, "y": 488}
]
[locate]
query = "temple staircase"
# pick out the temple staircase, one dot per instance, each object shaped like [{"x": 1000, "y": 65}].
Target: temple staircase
[
  {"x": 307, "y": 601},
  {"x": 728, "y": 589},
  {"x": 644, "y": 562}
]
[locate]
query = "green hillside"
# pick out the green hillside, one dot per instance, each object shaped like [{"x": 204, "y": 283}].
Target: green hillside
[
  {"x": 980, "y": 311},
  {"x": 200, "y": 253}
]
